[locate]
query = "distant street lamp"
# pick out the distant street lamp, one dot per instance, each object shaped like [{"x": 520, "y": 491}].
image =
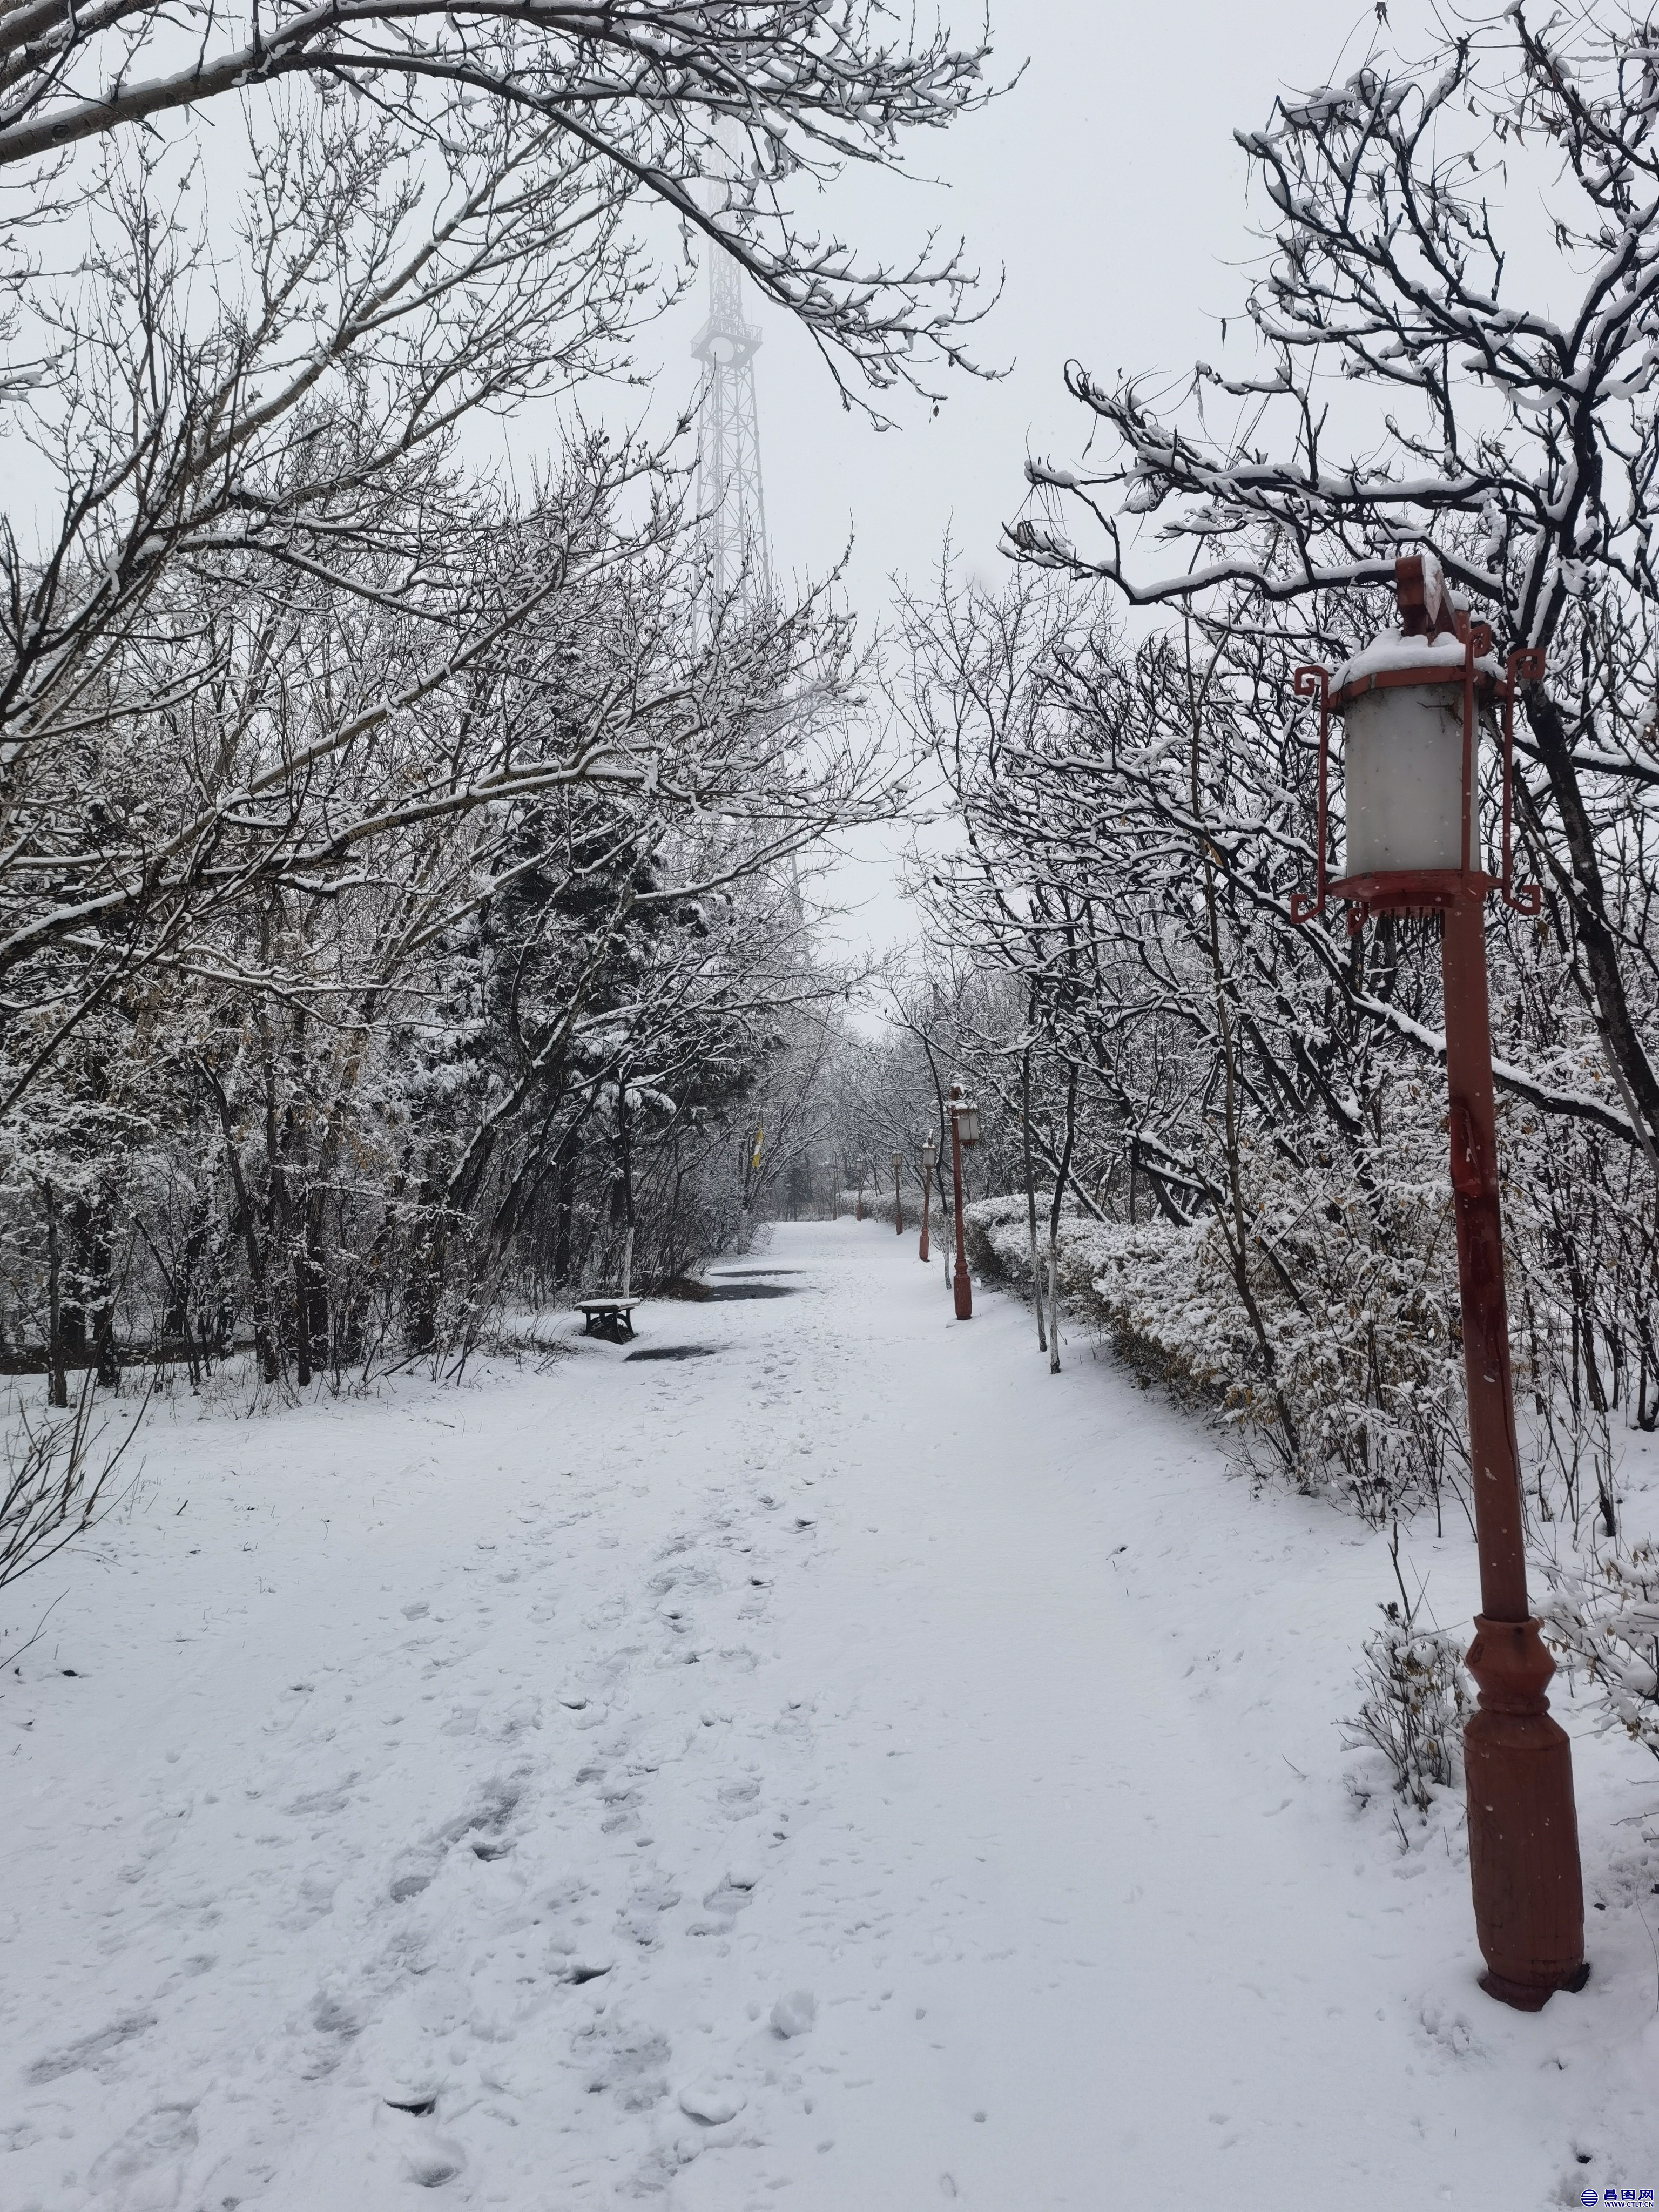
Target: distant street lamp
[
  {"x": 898, "y": 1196},
  {"x": 1413, "y": 704},
  {"x": 965, "y": 1130},
  {"x": 929, "y": 1155},
  {"x": 831, "y": 1169},
  {"x": 858, "y": 1207}
]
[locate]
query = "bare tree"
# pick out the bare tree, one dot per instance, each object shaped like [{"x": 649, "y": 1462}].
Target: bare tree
[
  {"x": 717, "y": 111},
  {"x": 1520, "y": 441}
]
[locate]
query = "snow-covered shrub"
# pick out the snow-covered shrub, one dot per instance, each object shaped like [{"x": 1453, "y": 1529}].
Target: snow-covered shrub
[
  {"x": 1415, "y": 1704},
  {"x": 1360, "y": 1305},
  {"x": 50, "y": 1490},
  {"x": 1366, "y": 1365},
  {"x": 1142, "y": 1288},
  {"x": 1604, "y": 1619}
]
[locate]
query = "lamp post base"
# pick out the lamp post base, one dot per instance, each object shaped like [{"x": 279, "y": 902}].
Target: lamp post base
[
  {"x": 1524, "y": 1831},
  {"x": 964, "y": 1291},
  {"x": 1524, "y": 1996}
]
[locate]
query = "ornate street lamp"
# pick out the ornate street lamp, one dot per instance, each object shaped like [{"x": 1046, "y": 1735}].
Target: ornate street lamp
[
  {"x": 929, "y": 1155},
  {"x": 1412, "y": 705},
  {"x": 898, "y": 1196},
  {"x": 965, "y": 1130}
]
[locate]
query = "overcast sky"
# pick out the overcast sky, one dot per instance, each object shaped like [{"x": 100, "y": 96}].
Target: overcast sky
[{"x": 1107, "y": 189}]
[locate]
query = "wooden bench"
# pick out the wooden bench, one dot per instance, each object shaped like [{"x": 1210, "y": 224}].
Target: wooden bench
[{"x": 610, "y": 1318}]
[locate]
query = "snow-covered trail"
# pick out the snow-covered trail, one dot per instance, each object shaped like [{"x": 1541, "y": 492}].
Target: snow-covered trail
[{"x": 466, "y": 1789}]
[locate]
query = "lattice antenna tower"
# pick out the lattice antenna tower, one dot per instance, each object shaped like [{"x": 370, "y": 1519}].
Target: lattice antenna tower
[{"x": 730, "y": 498}]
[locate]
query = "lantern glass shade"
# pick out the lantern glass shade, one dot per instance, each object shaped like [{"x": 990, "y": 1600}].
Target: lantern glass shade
[
  {"x": 929, "y": 1153},
  {"x": 1404, "y": 781},
  {"x": 967, "y": 1123}
]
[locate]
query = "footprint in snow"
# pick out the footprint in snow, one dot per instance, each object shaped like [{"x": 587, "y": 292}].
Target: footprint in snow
[
  {"x": 725, "y": 1901},
  {"x": 89, "y": 2050},
  {"x": 732, "y": 1891},
  {"x": 736, "y": 1798},
  {"x": 640, "y": 1918},
  {"x": 314, "y": 1900},
  {"x": 144, "y": 2170},
  {"x": 419, "y": 1871},
  {"x": 325, "y": 1802},
  {"x": 627, "y": 2061},
  {"x": 338, "y": 2023},
  {"x": 435, "y": 2163},
  {"x": 518, "y": 1719},
  {"x": 658, "y": 1895},
  {"x": 623, "y": 1815},
  {"x": 333, "y": 2014},
  {"x": 578, "y": 1970},
  {"x": 499, "y": 1800}
]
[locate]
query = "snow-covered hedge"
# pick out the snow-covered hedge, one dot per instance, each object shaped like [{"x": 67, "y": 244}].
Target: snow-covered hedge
[
  {"x": 1364, "y": 1362},
  {"x": 1146, "y": 1289}
]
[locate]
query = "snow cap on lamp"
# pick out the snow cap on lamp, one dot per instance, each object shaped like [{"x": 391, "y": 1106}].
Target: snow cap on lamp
[
  {"x": 1413, "y": 703},
  {"x": 1411, "y": 797}
]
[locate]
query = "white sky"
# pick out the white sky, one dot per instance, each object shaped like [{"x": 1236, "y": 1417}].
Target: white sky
[{"x": 1108, "y": 188}]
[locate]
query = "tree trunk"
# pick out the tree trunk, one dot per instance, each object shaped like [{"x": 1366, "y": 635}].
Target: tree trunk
[
  {"x": 266, "y": 1350},
  {"x": 316, "y": 1320},
  {"x": 1030, "y": 1197},
  {"x": 102, "y": 1258},
  {"x": 57, "y": 1375},
  {"x": 1587, "y": 894},
  {"x": 625, "y": 1165},
  {"x": 1062, "y": 1173},
  {"x": 301, "y": 1321},
  {"x": 428, "y": 1261},
  {"x": 565, "y": 1206}
]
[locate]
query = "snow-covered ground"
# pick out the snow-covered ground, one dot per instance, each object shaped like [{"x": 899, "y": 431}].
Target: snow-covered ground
[{"x": 848, "y": 1771}]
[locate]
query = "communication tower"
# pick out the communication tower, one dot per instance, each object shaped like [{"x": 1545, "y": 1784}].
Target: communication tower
[{"x": 728, "y": 487}]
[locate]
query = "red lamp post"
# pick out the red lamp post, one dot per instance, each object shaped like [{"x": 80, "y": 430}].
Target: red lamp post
[
  {"x": 929, "y": 1155},
  {"x": 965, "y": 1130},
  {"x": 898, "y": 1196},
  {"x": 1412, "y": 704}
]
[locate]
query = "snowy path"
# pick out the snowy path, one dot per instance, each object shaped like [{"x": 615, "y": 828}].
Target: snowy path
[{"x": 508, "y": 1754}]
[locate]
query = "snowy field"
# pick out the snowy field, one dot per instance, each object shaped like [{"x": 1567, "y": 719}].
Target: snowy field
[{"x": 849, "y": 1770}]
